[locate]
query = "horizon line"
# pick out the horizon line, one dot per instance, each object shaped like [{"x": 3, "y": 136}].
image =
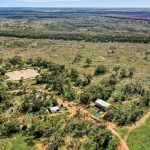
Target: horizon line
[{"x": 68, "y": 7}]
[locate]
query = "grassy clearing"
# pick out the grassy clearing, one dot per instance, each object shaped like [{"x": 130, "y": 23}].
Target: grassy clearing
[
  {"x": 139, "y": 138},
  {"x": 16, "y": 142},
  {"x": 94, "y": 111}
]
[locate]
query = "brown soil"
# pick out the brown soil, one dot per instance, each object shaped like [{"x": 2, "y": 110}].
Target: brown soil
[
  {"x": 122, "y": 143},
  {"x": 25, "y": 74},
  {"x": 39, "y": 146}
]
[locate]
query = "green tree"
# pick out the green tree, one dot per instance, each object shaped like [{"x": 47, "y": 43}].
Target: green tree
[
  {"x": 86, "y": 98},
  {"x": 87, "y": 80},
  {"x": 116, "y": 69},
  {"x": 74, "y": 74},
  {"x": 16, "y": 60},
  {"x": 2, "y": 71},
  {"x": 8, "y": 128},
  {"x": 118, "y": 96},
  {"x": 1, "y": 60},
  {"x": 131, "y": 72},
  {"x": 101, "y": 69},
  {"x": 123, "y": 73},
  {"x": 146, "y": 100},
  {"x": 69, "y": 94},
  {"x": 88, "y": 62}
]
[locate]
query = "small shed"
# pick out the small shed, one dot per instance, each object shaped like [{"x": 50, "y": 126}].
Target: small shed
[
  {"x": 54, "y": 109},
  {"x": 102, "y": 104}
]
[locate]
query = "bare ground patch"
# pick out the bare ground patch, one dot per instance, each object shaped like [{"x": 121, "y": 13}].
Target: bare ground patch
[{"x": 25, "y": 74}]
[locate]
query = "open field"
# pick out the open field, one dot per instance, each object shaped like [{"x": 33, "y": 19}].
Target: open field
[
  {"x": 14, "y": 143},
  {"x": 139, "y": 138}
]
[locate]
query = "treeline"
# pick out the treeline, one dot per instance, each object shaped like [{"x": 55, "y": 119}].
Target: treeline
[{"x": 77, "y": 36}]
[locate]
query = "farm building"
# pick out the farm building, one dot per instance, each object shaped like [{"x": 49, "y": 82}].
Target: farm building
[
  {"x": 54, "y": 109},
  {"x": 102, "y": 104}
]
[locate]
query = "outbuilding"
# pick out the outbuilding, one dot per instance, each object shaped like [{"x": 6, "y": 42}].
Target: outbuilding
[
  {"x": 54, "y": 109},
  {"x": 102, "y": 104}
]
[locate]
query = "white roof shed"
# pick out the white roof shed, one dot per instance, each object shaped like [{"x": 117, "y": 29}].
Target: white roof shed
[
  {"x": 54, "y": 109},
  {"x": 101, "y": 103}
]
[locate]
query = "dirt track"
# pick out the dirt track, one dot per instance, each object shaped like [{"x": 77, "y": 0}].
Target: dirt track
[{"x": 122, "y": 143}]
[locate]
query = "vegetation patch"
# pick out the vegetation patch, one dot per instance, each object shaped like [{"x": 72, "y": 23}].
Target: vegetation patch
[
  {"x": 139, "y": 138},
  {"x": 16, "y": 142}
]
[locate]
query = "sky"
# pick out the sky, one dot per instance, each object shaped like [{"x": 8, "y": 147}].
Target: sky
[{"x": 74, "y": 3}]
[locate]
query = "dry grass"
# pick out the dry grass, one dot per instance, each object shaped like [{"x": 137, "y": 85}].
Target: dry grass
[{"x": 63, "y": 52}]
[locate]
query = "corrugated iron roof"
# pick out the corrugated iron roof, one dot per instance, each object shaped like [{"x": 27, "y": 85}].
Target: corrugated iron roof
[
  {"x": 54, "y": 109},
  {"x": 102, "y": 103}
]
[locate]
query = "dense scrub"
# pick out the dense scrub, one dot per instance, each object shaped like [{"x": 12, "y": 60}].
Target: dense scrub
[{"x": 77, "y": 36}]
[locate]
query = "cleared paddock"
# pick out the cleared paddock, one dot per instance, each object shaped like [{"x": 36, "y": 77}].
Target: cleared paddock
[{"x": 22, "y": 74}]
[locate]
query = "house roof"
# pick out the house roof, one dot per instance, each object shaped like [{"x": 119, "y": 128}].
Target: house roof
[{"x": 102, "y": 103}]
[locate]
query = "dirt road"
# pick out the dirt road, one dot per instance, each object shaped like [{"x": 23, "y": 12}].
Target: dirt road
[{"x": 122, "y": 143}]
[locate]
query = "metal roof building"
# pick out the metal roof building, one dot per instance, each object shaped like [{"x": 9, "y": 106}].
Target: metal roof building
[
  {"x": 101, "y": 103},
  {"x": 54, "y": 109}
]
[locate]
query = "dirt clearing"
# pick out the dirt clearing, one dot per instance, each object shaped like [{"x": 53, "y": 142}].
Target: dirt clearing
[{"x": 25, "y": 74}]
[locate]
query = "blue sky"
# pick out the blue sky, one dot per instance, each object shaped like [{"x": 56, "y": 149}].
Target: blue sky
[{"x": 74, "y": 3}]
